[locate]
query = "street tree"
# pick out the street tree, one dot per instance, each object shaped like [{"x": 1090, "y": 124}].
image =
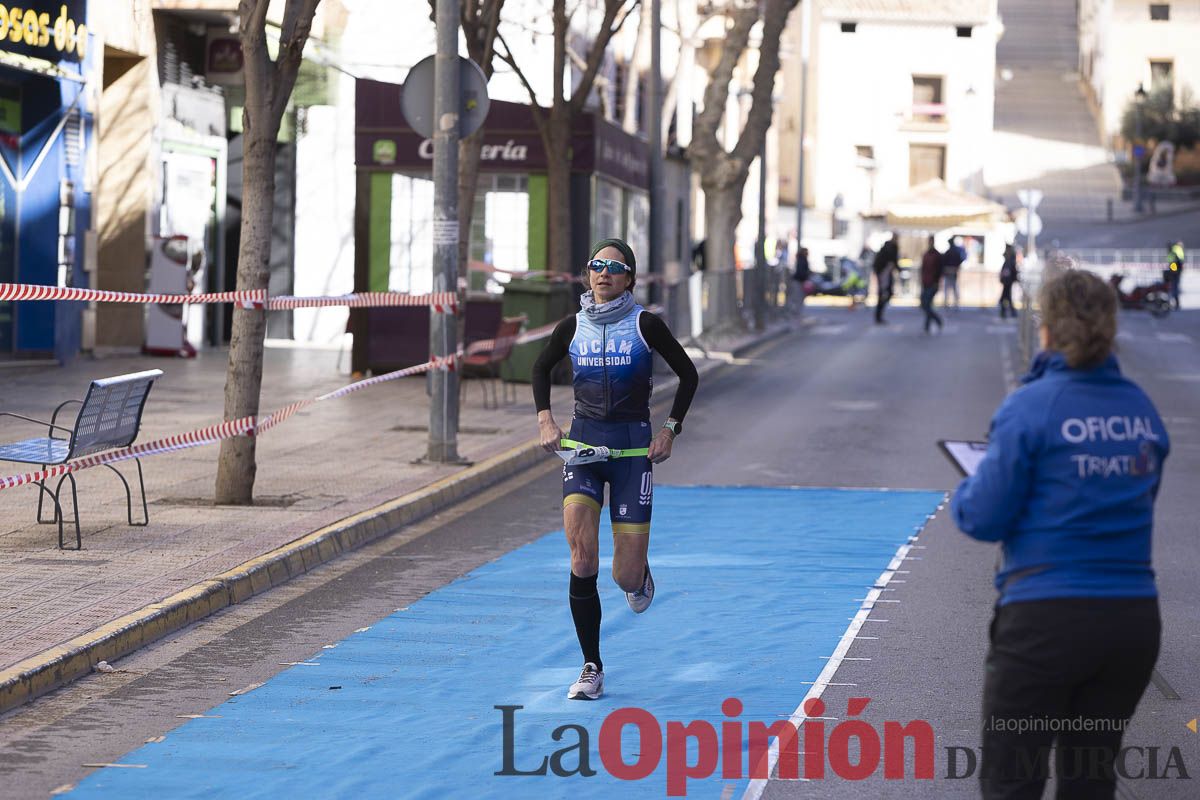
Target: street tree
[
  {"x": 480, "y": 20},
  {"x": 269, "y": 84},
  {"x": 723, "y": 172},
  {"x": 1165, "y": 118},
  {"x": 554, "y": 124}
]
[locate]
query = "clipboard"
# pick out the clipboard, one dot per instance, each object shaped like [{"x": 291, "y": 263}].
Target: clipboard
[{"x": 964, "y": 455}]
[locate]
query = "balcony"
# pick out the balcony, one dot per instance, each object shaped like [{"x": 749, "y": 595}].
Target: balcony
[{"x": 924, "y": 117}]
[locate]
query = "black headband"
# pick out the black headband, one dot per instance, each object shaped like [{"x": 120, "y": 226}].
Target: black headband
[{"x": 620, "y": 244}]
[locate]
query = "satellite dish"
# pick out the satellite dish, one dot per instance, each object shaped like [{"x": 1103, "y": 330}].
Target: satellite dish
[{"x": 417, "y": 99}]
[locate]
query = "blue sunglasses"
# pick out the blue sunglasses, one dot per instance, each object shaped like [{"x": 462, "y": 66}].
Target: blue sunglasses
[{"x": 613, "y": 267}]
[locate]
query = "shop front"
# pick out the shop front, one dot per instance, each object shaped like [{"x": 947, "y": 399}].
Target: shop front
[
  {"x": 394, "y": 203},
  {"x": 45, "y": 185}
]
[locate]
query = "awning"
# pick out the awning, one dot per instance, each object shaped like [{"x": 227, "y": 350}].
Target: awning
[{"x": 934, "y": 205}]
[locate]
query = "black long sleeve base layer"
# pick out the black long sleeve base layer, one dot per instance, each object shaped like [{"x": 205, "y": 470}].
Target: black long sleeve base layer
[{"x": 585, "y": 611}]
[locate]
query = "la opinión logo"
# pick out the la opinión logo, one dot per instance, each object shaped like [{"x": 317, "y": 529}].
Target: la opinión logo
[
  {"x": 724, "y": 750},
  {"x": 853, "y": 749}
]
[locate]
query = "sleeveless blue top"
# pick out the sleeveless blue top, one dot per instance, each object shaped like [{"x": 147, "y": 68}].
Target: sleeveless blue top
[{"x": 613, "y": 369}]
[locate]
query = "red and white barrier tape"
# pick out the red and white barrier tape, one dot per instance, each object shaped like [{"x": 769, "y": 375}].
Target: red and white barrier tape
[
  {"x": 553, "y": 277},
  {"x": 289, "y": 411},
  {"x": 441, "y": 302},
  {"x": 196, "y": 438},
  {"x": 246, "y": 426},
  {"x": 26, "y": 291}
]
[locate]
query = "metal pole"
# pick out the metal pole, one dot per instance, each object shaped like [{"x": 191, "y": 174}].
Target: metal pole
[
  {"x": 1031, "y": 242},
  {"x": 760, "y": 242},
  {"x": 654, "y": 119},
  {"x": 1137, "y": 161},
  {"x": 443, "y": 327},
  {"x": 803, "y": 123}
]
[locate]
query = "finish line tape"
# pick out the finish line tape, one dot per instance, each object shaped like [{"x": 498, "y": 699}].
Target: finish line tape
[{"x": 257, "y": 299}]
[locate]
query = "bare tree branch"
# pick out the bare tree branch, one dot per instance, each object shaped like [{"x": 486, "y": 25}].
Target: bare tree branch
[
  {"x": 716, "y": 94},
  {"x": 297, "y": 25},
  {"x": 561, "y": 21},
  {"x": 539, "y": 118},
  {"x": 492, "y": 16},
  {"x": 761, "y": 108},
  {"x": 253, "y": 16},
  {"x": 633, "y": 74},
  {"x": 599, "y": 47}
]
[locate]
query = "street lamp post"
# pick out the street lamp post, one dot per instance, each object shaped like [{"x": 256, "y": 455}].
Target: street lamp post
[
  {"x": 803, "y": 119},
  {"x": 1139, "y": 102}
]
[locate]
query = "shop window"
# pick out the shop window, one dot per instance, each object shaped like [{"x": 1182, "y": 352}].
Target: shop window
[
  {"x": 506, "y": 222},
  {"x": 849, "y": 27},
  {"x": 608, "y": 211},
  {"x": 411, "y": 258},
  {"x": 963, "y": 31}
]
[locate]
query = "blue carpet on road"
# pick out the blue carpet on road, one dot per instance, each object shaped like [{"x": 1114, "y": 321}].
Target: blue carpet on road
[{"x": 755, "y": 585}]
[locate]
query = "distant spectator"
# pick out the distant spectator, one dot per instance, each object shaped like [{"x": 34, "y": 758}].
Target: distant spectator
[
  {"x": 952, "y": 259},
  {"x": 1174, "y": 271},
  {"x": 1008, "y": 276},
  {"x": 803, "y": 272},
  {"x": 931, "y": 273},
  {"x": 884, "y": 267}
]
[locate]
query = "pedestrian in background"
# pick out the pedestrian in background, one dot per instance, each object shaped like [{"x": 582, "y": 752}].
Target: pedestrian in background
[
  {"x": 1174, "y": 271},
  {"x": 931, "y": 276},
  {"x": 1008, "y": 276},
  {"x": 802, "y": 273},
  {"x": 884, "y": 267},
  {"x": 1067, "y": 487},
  {"x": 952, "y": 259}
]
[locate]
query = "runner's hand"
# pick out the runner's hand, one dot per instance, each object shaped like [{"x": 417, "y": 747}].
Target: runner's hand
[
  {"x": 549, "y": 433},
  {"x": 660, "y": 448}
]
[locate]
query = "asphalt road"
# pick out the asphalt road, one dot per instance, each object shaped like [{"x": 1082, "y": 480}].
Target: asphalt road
[{"x": 839, "y": 403}]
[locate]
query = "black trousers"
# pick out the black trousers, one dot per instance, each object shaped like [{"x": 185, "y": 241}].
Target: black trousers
[
  {"x": 883, "y": 287},
  {"x": 1064, "y": 672},
  {"x": 1006, "y": 303}
]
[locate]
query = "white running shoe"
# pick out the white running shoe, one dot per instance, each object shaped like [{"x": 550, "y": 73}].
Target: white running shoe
[
  {"x": 640, "y": 600},
  {"x": 589, "y": 686}
]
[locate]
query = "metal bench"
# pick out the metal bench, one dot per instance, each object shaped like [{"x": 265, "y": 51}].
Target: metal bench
[{"x": 109, "y": 418}]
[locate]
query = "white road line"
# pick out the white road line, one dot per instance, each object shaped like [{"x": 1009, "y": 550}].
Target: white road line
[
  {"x": 1180, "y": 338},
  {"x": 758, "y": 785},
  {"x": 1010, "y": 378}
]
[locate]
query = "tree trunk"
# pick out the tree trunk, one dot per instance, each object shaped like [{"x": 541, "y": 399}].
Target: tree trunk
[
  {"x": 236, "y": 468},
  {"x": 633, "y": 73},
  {"x": 722, "y": 213},
  {"x": 469, "y": 152},
  {"x": 558, "y": 190},
  {"x": 269, "y": 85}
]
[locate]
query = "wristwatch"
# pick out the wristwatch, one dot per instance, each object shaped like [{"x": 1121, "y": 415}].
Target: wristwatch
[{"x": 674, "y": 426}]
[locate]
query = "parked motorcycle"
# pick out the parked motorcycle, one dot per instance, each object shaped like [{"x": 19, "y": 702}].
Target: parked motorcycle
[
  {"x": 1153, "y": 297},
  {"x": 848, "y": 282}
]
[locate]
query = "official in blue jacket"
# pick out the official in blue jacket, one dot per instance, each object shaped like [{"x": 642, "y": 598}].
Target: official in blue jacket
[{"x": 1067, "y": 488}]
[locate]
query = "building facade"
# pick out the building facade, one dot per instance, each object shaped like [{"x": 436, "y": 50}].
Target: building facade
[
  {"x": 48, "y": 174},
  {"x": 900, "y": 93},
  {"x": 1125, "y": 44}
]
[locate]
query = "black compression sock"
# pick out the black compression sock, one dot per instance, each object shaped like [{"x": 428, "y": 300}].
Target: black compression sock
[{"x": 585, "y": 610}]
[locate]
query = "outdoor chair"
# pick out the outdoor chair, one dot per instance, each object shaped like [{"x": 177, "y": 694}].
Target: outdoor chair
[
  {"x": 487, "y": 361},
  {"x": 109, "y": 418}
]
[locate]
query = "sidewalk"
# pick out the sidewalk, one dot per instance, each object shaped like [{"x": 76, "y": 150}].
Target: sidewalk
[{"x": 337, "y": 475}]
